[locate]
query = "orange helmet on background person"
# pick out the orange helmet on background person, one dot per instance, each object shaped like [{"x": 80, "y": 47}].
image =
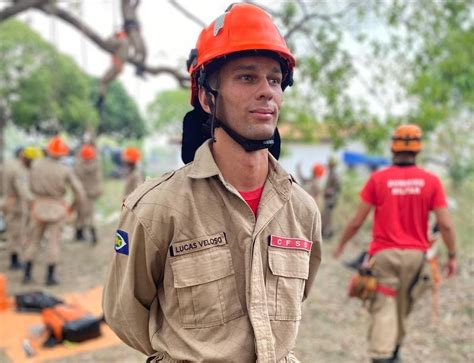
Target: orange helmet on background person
[
  {"x": 243, "y": 27},
  {"x": 318, "y": 170},
  {"x": 131, "y": 155},
  {"x": 88, "y": 152},
  {"x": 406, "y": 138},
  {"x": 57, "y": 147}
]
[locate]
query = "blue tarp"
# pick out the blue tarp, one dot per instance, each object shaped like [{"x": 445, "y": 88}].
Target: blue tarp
[{"x": 352, "y": 158}]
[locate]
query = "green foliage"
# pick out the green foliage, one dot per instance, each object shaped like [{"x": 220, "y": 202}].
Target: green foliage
[
  {"x": 47, "y": 92},
  {"x": 445, "y": 85},
  {"x": 54, "y": 97},
  {"x": 44, "y": 90},
  {"x": 454, "y": 145},
  {"x": 121, "y": 116},
  {"x": 411, "y": 59},
  {"x": 167, "y": 110}
]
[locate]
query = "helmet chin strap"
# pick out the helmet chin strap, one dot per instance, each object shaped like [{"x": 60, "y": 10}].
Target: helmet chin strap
[{"x": 247, "y": 144}]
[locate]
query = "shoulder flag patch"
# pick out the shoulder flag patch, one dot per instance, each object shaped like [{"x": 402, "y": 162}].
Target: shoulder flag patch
[{"x": 121, "y": 242}]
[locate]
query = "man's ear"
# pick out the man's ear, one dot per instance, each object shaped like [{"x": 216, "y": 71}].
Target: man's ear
[{"x": 203, "y": 100}]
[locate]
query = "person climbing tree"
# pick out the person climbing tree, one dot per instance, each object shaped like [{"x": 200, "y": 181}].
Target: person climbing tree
[
  {"x": 131, "y": 26},
  {"x": 119, "y": 41}
]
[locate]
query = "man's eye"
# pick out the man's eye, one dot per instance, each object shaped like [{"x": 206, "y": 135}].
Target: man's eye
[
  {"x": 275, "y": 81},
  {"x": 246, "y": 77}
]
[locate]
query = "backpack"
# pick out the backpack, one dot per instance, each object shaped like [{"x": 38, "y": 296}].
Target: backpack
[
  {"x": 35, "y": 301},
  {"x": 71, "y": 323}
]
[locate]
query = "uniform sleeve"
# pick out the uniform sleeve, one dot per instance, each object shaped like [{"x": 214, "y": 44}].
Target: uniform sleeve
[
  {"x": 439, "y": 197},
  {"x": 22, "y": 187},
  {"x": 131, "y": 285},
  {"x": 367, "y": 194},
  {"x": 315, "y": 258},
  {"x": 76, "y": 186}
]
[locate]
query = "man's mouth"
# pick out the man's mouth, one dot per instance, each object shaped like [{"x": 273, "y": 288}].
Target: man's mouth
[{"x": 263, "y": 111}]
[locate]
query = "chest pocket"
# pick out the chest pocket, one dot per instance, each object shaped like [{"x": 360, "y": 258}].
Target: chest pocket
[
  {"x": 206, "y": 288},
  {"x": 286, "y": 278}
]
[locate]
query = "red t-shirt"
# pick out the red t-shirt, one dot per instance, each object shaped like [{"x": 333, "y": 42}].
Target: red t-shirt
[
  {"x": 252, "y": 198},
  {"x": 403, "y": 198}
]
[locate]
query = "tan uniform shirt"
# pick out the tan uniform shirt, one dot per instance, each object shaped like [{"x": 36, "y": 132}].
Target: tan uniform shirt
[
  {"x": 89, "y": 173},
  {"x": 201, "y": 281},
  {"x": 332, "y": 188},
  {"x": 49, "y": 179},
  {"x": 16, "y": 190},
  {"x": 132, "y": 181},
  {"x": 312, "y": 186}
]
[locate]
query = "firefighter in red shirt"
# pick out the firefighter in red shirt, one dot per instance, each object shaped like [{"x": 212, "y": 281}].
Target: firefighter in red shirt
[{"x": 403, "y": 196}]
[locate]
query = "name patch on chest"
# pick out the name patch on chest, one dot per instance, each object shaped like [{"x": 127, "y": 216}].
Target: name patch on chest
[
  {"x": 198, "y": 244},
  {"x": 290, "y": 243}
]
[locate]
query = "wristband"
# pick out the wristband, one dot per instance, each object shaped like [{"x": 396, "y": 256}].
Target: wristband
[{"x": 451, "y": 255}]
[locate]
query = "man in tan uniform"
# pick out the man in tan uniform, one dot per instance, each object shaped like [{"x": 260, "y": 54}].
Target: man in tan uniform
[
  {"x": 17, "y": 200},
  {"x": 88, "y": 169},
  {"x": 132, "y": 27},
  {"x": 312, "y": 184},
  {"x": 331, "y": 193},
  {"x": 133, "y": 177},
  {"x": 120, "y": 43},
  {"x": 214, "y": 260},
  {"x": 49, "y": 180},
  {"x": 402, "y": 195}
]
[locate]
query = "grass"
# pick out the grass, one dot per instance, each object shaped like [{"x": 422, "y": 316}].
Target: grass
[{"x": 111, "y": 199}]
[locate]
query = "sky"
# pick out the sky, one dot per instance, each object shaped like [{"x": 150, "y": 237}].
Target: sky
[{"x": 169, "y": 36}]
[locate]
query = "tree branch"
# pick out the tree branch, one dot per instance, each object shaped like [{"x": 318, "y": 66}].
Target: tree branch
[
  {"x": 187, "y": 14},
  {"x": 308, "y": 16},
  {"x": 90, "y": 33},
  {"x": 18, "y": 7},
  {"x": 267, "y": 9}
]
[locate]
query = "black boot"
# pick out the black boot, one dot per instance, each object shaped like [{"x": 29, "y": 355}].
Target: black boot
[
  {"x": 79, "y": 234},
  {"x": 396, "y": 355},
  {"x": 93, "y": 236},
  {"x": 15, "y": 264},
  {"x": 383, "y": 360},
  {"x": 50, "y": 281},
  {"x": 27, "y": 272}
]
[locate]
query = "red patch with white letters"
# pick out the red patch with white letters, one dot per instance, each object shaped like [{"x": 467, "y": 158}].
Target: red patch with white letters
[{"x": 290, "y": 243}]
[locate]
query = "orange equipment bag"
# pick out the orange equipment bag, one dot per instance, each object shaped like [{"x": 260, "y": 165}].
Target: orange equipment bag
[
  {"x": 69, "y": 322},
  {"x": 362, "y": 285}
]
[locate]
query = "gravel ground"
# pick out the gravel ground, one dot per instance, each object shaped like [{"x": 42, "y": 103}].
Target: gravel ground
[{"x": 333, "y": 328}]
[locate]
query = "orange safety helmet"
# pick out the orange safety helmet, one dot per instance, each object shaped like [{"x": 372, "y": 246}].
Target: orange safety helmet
[
  {"x": 318, "y": 170},
  {"x": 57, "y": 147},
  {"x": 131, "y": 155},
  {"x": 88, "y": 152},
  {"x": 406, "y": 138},
  {"x": 243, "y": 27}
]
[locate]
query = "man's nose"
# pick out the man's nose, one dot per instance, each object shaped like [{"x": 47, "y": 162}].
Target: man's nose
[{"x": 265, "y": 90}]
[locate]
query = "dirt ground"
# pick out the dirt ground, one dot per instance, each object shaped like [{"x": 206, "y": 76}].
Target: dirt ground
[{"x": 333, "y": 328}]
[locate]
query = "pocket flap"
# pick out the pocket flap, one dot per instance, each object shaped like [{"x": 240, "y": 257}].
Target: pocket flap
[
  {"x": 288, "y": 263},
  {"x": 201, "y": 267}
]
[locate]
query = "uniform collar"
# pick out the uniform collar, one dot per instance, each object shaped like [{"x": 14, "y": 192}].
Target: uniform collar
[
  {"x": 279, "y": 177},
  {"x": 204, "y": 166}
]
